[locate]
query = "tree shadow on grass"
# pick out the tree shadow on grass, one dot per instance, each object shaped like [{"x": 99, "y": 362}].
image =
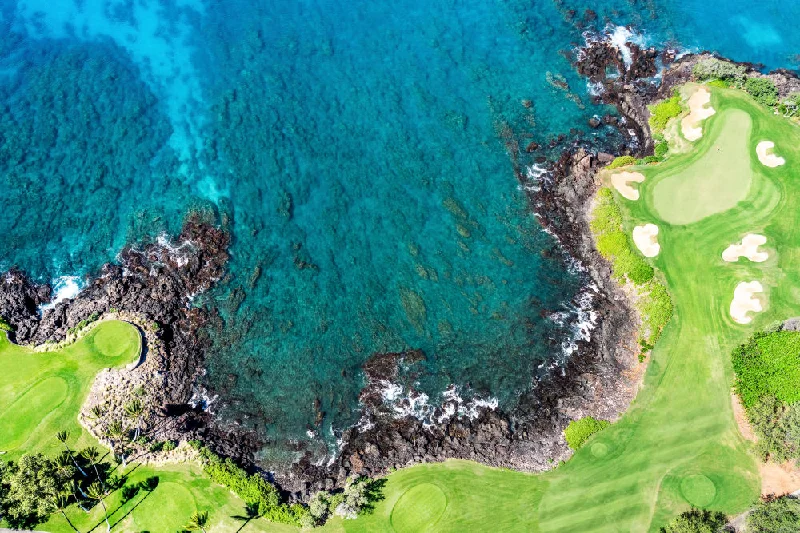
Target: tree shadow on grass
[
  {"x": 148, "y": 486},
  {"x": 374, "y": 494}
]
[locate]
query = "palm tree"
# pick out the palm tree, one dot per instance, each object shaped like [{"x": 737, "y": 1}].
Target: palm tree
[
  {"x": 92, "y": 454},
  {"x": 97, "y": 412},
  {"x": 75, "y": 489},
  {"x": 134, "y": 410},
  {"x": 198, "y": 520},
  {"x": 61, "y": 501},
  {"x": 96, "y": 491},
  {"x": 116, "y": 432},
  {"x": 63, "y": 436}
]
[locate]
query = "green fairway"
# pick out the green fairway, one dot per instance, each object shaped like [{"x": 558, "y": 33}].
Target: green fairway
[
  {"x": 678, "y": 444},
  {"x": 41, "y": 393}
]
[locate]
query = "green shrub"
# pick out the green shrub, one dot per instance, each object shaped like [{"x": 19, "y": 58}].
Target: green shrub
[
  {"x": 4, "y": 325},
  {"x": 579, "y": 431},
  {"x": 775, "y": 516},
  {"x": 707, "y": 69},
  {"x": 622, "y": 161},
  {"x": 651, "y": 159},
  {"x": 768, "y": 365},
  {"x": 655, "y": 308},
  {"x": 663, "y": 111},
  {"x": 654, "y": 304},
  {"x": 83, "y": 323},
  {"x": 696, "y": 521},
  {"x": 661, "y": 149},
  {"x": 614, "y": 244},
  {"x": 254, "y": 489},
  {"x": 763, "y": 90}
]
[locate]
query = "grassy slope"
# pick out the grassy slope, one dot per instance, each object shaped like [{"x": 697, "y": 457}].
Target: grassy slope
[{"x": 678, "y": 443}]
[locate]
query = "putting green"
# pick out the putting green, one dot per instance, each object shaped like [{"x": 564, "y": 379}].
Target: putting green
[
  {"x": 419, "y": 509},
  {"x": 698, "y": 490},
  {"x": 717, "y": 178}
]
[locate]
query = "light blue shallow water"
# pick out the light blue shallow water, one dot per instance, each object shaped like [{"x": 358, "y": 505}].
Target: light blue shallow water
[{"x": 356, "y": 150}]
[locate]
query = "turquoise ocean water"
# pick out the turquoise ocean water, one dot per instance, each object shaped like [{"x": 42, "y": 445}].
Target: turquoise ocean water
[{"x": 356, "y": 151}]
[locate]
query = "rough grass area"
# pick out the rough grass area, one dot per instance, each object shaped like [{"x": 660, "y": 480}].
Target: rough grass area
[{"x": 41, "y": 393}]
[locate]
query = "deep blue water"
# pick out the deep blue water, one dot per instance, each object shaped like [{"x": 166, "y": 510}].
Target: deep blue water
[{"x": 355, "y": 150}]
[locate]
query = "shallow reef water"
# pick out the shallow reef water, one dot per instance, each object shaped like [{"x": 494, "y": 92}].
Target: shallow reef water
[{"x": 356, "y": 152}]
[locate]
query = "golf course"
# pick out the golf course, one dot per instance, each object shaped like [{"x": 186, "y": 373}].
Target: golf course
[{"x": 677, "y": 446}]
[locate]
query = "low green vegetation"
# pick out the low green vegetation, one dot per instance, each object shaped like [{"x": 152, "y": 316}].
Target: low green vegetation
[
  {"x": 614, "y": 244},
  {"x": 579, "y": 431},
  {"x": 768, "y": 365},
  {"x": 622, "y": 161},
  {"x": 762, "y": 89},
  {"x": 712, "y": 68},
  {"x": 654, "y": 303},
  {"x": 775, "y": 515},
  {"x": 253, "y": 489},
  {"x": 696, "y": 521},
  {"x": 664, "y": 111},
  {"x": 83, "y": 323}
]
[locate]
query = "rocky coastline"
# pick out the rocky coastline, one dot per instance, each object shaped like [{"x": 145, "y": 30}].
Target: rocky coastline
[{"x": 153, "y": 287}]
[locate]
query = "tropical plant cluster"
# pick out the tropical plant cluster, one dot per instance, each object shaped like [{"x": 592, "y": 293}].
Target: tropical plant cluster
[
  {"x": 36, "y": 486},
  {"x": 717, "y": 69},
  {"x": 696, "y": 521}
]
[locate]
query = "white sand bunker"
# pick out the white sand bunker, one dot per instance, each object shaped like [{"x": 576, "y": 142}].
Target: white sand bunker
[
  {"x": 622, "y": 180},
  {"x": 764, "y": 150},
  {"x": 646, "y": 239},
  {"x": 747, "y": 248},
  {"x": 744, "y": 301},
  {"x": 690, "y": 125}
]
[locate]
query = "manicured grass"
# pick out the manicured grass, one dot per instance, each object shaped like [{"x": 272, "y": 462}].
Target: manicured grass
[
  {"x": 678, "y": 445},
  {"x": 41, "y": 393}
]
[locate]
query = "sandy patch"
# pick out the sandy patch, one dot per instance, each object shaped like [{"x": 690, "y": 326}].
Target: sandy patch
[
  {"x": 744, "y": 301},
  {"x": 779, "y": 479},
  {"x": 621, "y": 181},
  {"x": 690, "y": 124},
  {"x": 646, "y": 239},
  {"x": 764, "y": 150},
  {"x": 741, "y": 419},
  {"x": 747, "y": 248}
]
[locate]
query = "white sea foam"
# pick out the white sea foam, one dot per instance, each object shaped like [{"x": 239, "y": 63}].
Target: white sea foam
[
  {"x": 63, "y": 288},
  {"x": 417, "y": 404},
  {"x": 619, "y": 36}
]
